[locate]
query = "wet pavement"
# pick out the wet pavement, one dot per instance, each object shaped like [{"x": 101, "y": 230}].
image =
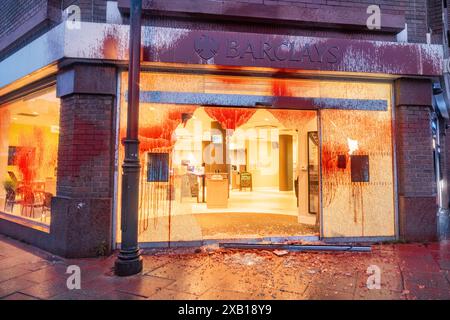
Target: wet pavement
[{"x": 407, "y": 271}]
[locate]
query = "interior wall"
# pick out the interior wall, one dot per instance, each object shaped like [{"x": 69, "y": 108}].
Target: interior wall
[{"x": 263, "y": 163}]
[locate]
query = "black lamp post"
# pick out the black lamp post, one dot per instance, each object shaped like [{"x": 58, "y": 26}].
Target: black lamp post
[{"x": 129, "y": 260}]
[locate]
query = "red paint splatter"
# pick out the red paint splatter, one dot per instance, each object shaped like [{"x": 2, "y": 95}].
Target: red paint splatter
[
  {"x": 292, "y": 119},
  {"x": 230, "y": 118},
  {"x": 110, "y": 46},
  {"x": 156, "y": 135},
  {"x": 280, "y": 88},
  {"x": 372, "y": 130}
]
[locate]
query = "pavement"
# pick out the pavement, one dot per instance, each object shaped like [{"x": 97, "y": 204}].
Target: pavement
[{"x": 407, "y": 271}]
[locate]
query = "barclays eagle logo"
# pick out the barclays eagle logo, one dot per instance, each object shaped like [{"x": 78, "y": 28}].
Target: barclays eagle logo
[{"x": 206, "y": 47}]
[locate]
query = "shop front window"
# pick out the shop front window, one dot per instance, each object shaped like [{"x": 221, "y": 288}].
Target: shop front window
[
  {"x": 357, "y": 169},
  {"x": 29, "y": 134},
  {"x": 219, "y": 162}
]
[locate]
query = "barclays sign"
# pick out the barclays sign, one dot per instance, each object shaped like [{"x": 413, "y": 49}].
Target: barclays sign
[{"x": 208, "y": 47}]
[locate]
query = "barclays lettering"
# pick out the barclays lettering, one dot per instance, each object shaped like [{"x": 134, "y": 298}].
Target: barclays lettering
[
  {"x": 291, "y": 51},
  {"x": 312, "y": 53}
]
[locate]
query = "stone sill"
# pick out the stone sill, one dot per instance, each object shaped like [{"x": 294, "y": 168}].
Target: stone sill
[{"x": 25, "y": 222}]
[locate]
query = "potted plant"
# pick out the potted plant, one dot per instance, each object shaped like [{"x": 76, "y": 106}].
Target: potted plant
[{"x": 10, "y": 188}]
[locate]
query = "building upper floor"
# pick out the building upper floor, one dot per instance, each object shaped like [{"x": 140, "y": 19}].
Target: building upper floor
[{"x": 418, "y": 21}]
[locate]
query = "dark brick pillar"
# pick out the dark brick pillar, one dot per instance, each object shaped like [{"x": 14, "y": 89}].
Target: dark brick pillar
[
  {"x": 415, "y": 161},
  {"x": 82, "y": 209}
]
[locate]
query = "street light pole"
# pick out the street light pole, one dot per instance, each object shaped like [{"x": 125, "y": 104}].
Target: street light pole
[{"x": 129, "y": 260}]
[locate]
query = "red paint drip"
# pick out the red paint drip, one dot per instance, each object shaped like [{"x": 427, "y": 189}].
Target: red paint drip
[{"x": 280, "y": 88}]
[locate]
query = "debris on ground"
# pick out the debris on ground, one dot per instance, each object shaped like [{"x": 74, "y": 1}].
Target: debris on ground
[
  {"x": 280, "y": 253},
  {"x": 248, "y": 259}
]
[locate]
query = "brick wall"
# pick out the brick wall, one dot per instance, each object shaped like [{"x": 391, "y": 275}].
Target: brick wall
[
  {"x": 86, "y": 146},
  {"x": 82, "y": 209},
  {"x": 21, "y": 22},
  {"x": 416, "y": 178},
  {"x": 435, "y": 18},
  {"x": 417, "y": 14},
  {"x": 414, "y": 10},
  {"x": 14, "y": 13},
  {"x": 415, "y": 160}
]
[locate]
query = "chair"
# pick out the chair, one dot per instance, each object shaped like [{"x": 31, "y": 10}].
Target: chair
[
  {"x": 10, "y": 200},
  {"x": 193, "y": 184},
  {"x": 13, "y": 177},
  {"x": 47, "y": 204},
  {"x": 30, "y": 201}
]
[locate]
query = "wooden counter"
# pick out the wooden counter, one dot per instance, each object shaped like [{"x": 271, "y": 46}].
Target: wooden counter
[{"x": 216, "y": 193}]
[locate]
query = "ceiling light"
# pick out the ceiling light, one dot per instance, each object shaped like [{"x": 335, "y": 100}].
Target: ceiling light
[{"x": 24, "y": 114}]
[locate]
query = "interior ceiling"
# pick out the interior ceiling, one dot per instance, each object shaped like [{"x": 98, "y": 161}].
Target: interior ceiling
[{"x": 44, "y": 109}]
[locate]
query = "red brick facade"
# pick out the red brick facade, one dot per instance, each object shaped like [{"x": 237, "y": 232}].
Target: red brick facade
[
  {"x": 85, "y": 178},
  {"x": 85, "y": 187},
  {"x": 86, "y": 139},
  {"x": 415, "y": 160}
]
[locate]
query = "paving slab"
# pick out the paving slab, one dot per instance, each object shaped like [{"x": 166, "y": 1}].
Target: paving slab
[
  {"x": 14, "y": 285},
  {"x": 19, "y": 296},
  {"x": 117, "y": 295},
  {"x": 166, "y": 294},
  {"x": 11, "y": 273},
  {"x": 407, "y": 271},
  {"x": 144, "y": 286},
  {"x": 46, "y": 290}
]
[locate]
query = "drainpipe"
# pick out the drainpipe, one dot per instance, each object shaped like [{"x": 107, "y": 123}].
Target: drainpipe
[
  {"x": 442, "y": 195},
  {"x": 443, "y": 199},
  {"x": 129, "y": 260}
]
